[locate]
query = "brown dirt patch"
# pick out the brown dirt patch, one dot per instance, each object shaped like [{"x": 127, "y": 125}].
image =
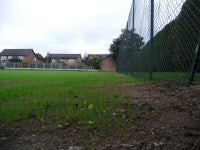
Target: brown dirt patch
[{"x": 160, "y": 116}]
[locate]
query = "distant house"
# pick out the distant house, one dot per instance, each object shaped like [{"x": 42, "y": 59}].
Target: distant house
[
  {"x": 69, "y": 59},
  {"x": 39, "y": 57},
  {"x": 100, "y": 56},
  {"x": 108, "y": 64},
  {"x": 18, "y": 55}
]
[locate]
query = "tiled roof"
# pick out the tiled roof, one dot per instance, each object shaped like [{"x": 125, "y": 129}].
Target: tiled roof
[
  {"x": 39, "y": 56},
  {"x": 15, "y": 52},
  {"x": 63, "y": 56}
]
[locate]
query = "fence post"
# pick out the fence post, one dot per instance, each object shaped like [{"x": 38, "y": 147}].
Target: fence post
[
  {"x": 133, "y": 15},
  {"x": 152, "y": 42},
  {"x": 194, "y": 65},
  {"x": 14, "y": 65},
  {"x": 21, "y": 64},
  {"x": 36, "y": 65}
]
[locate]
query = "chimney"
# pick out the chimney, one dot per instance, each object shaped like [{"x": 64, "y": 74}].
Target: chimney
[{"x": 47, "y": 54}]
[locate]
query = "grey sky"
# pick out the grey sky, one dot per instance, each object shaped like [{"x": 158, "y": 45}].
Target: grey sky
[
  {"x": 62, "y": 26},
  {"x": 77, "y": 26},
  {"x": 164, "y": 12}
]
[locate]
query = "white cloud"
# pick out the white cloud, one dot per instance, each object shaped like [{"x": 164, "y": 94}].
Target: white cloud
[{"x": 64, "y": 26}]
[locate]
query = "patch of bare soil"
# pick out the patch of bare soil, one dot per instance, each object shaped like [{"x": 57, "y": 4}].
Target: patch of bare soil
[{"x": 163, "y": 116}]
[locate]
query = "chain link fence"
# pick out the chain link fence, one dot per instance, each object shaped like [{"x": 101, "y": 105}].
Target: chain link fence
[
  {"x": 161, "y": 40},
  {"x": 45, "y": 66}
]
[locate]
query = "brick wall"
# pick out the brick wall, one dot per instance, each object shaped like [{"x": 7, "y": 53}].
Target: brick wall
[
  {"x": 38, "y": 60},
  {"x": 56, "y": 61},
  {"x": 30, "y": 57},
  {"x": 77, "y": 61},
  {"x": 108, "y": 64}
]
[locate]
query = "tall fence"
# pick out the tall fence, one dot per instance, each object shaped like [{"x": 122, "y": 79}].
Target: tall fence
[
  {"x": 161, "y": 40},
  {"x": 45, "y": 66}
]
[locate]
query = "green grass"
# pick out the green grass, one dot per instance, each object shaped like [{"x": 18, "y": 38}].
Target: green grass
[
  {"x": 57, "y": 98},
  {"x": 176, "y": 76}
]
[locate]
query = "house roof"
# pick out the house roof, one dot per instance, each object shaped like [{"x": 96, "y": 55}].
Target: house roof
[
  {"x": 39, "y": 56},
  {"x": 15, "y": 52},
  {"x": 63, "y": 56},
  {"x": 101, "y": 56}
]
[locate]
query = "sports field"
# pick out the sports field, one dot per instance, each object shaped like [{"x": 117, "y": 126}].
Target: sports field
[
  {"x": 95, "y": 110},
  {"x": 59, "y": 98}
]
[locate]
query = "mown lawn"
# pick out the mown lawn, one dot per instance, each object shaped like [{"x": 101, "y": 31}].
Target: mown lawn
[{"x": 58, "y": 99}]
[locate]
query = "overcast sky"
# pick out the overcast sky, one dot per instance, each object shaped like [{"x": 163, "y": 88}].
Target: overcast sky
[
  {"x": 62, "y": 26},
  {"x": 164, "y": 12}
]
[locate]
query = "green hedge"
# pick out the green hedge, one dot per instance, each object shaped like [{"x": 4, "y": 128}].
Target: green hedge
[{"x": 174, "y": 45}]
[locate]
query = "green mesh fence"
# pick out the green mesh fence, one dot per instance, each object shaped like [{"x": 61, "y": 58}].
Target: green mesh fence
[{"x": 160, "y": 40}]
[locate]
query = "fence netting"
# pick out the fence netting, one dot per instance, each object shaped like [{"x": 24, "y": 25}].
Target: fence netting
[
  {"x": 45, "y": 65},
  {"x": 160, "y": 39}
]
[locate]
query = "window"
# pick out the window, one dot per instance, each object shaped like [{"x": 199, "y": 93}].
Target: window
[
  {"x": 3, "y": 57},
  {"x": 9, "y": 57},
  {"x": 34, "y": 58},
  {"x": 20, "y": 57},
  {"x": 71, "y": 60},
  {"x": 53, "y": 60}
]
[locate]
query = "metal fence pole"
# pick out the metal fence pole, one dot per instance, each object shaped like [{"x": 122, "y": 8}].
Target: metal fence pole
[
  {"x": 133, "y": 15},
  {"x": 194, "y": 65},
  {"x": 133, "y": 26},
  {"x": 152, "y": 43}
]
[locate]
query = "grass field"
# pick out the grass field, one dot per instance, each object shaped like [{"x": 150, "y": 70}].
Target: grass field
[
  {"x": 95, "y": 110},
  {"x": 61, "y": 98}
]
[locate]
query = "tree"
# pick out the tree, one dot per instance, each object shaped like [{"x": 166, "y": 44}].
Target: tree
[
  {"x": 115, "y": 46},
  {"x": 94, "y": 62},
  {"x": 129, "y": 40}
]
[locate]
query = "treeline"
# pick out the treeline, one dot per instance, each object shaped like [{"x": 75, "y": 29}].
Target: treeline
[{"x": 174, "y": 45}]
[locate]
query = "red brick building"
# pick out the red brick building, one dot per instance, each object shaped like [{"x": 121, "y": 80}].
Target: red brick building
[
  {"x": 69, "y": 59},
  {"x": 17, "y": 55},
  {"x": 108, "y": 64}
]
